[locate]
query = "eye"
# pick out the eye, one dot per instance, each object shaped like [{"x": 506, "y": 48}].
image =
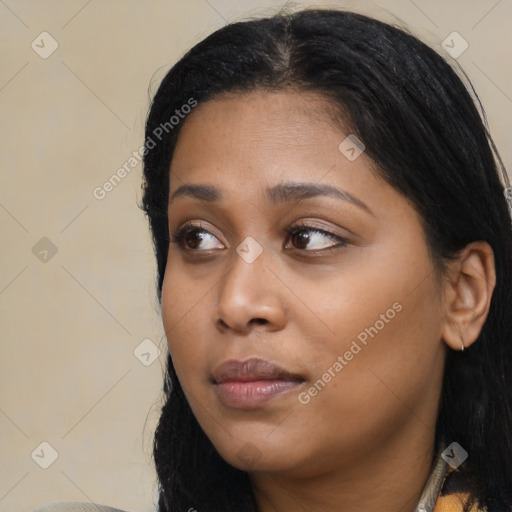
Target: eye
[
  {"x": 316, "y": 239},
  {"x": 190, "y": 237},
  {"x": 303, "y": 237}
]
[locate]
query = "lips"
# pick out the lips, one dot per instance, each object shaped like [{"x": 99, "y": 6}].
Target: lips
[{"x": 252, "y": 383}]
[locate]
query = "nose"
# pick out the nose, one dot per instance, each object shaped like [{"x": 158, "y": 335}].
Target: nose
[{"x": 250, "y": 294}]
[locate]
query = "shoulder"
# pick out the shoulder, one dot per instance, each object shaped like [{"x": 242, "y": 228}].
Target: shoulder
[{"x": 76, "y": 506}]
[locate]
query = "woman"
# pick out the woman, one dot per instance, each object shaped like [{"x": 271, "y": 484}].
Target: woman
[{"x": 334, "y": 267}]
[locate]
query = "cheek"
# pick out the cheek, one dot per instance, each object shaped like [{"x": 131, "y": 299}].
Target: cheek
[
  {"x": 385, "y": 324},
  {"x": 391, "y": 363},
  {"x": 362, "y": 299},
  {"x": 181, "y": 302},
  {"x": 382, "y": 385}
]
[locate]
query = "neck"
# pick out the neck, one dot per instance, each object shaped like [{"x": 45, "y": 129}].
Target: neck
[{"x": 389, "y": 477}]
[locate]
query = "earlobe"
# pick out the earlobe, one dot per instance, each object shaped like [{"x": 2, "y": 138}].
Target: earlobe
[{"x": 468, "y": 293}]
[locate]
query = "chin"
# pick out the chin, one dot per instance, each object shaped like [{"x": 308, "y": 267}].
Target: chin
[{"x": 258, "y": 454}]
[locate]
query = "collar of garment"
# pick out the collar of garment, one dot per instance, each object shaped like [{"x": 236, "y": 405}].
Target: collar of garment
[{"x": 436, "y": 497}]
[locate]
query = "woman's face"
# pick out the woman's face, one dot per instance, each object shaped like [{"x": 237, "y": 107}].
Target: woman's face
[{"x": 305, "y": 351}]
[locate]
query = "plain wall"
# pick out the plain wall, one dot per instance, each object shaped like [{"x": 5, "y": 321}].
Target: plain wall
[{"x": 71, "y": 320}]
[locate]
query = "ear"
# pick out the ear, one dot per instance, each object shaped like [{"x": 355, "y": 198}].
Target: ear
[{"x": 468, "y": 292}]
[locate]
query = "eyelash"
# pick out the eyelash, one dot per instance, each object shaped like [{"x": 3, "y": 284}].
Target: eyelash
[{"x": 179, "y": 237}]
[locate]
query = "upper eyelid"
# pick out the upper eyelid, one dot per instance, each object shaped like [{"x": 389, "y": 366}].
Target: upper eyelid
[
  {"x": 311, "y": 227},
  {"x": 304, "y": 226}
]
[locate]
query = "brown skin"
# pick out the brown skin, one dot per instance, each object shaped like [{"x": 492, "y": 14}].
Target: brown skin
[{"x": 365, "y": 441}]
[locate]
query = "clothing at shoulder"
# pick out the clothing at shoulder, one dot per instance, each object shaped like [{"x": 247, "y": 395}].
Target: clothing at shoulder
[
  {"x": 451, "y": 498},
  {"x": 453, "y": 503},
  {"x": 76, "y": 506}
]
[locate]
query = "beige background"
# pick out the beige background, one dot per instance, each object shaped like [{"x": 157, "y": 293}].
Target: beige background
[{"x": 71, "y": 321}]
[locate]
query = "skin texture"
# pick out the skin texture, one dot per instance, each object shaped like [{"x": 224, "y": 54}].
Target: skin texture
[{"x": 365, "y": 440}]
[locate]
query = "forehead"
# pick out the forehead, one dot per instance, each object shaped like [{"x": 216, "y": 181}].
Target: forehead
[{"x": 260, "y": 131}]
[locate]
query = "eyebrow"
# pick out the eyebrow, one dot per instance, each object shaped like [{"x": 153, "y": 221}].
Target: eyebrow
[{"x": 281, "y": 193}]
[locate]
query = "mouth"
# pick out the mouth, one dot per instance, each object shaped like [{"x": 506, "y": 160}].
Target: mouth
[{"x": 252, "y": 383}]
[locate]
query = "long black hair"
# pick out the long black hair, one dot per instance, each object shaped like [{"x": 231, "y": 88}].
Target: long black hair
[{"x": 427, "y": 134}]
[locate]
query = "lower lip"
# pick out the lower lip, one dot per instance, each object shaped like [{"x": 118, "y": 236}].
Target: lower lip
[{"x": 249, "y": 395}]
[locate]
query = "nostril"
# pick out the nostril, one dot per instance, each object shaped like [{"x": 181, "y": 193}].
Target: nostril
[{"x": 259, "y": 321}]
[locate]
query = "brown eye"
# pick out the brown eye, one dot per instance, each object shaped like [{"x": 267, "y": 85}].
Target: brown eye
[
  {"x": 316, "y": 239},
  {"x": 300, "y": 238},
  {"x": 191, "y": 238}
]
